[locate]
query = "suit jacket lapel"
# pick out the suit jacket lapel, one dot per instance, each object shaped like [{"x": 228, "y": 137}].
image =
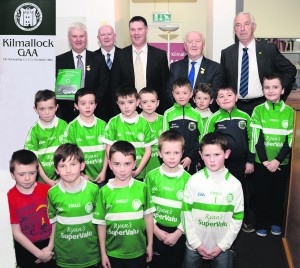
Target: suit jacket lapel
[
  {"x": 130, "y": 62},
  {"x": 149, "y": 62},
  {"x": 259, "y": 59},
  {"x": 235, "y": 62},
  {"x": 201, "y": 72},
  {"x": 70, "y": 60},
  {"x": 185, "y": 67}
]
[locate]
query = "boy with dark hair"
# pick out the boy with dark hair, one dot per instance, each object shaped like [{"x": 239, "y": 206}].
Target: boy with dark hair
[
  {"x": 148, "y": 103},
  {"x": 183, "y": 118},
  {"x": 166, "y": 184},
  {"x": 203, "y": 97},
  {"x": 71, "y": 207},
  {"x": 235, "y": 125},
  {"x": 272, "y": 124},
  {"x": 124, "y": 213},
  {"x": 213, "y": 207},
  {"x": 46, "y": 134},
  {"x": 28, "y": 213},
  {"x": 87, "y": 131},
  {"x": 131, "y": 127}
]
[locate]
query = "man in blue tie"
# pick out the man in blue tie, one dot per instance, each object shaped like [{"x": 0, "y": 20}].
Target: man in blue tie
[
  {"x": 248, "y": 61},
  {"x": 195, "y": 67}
]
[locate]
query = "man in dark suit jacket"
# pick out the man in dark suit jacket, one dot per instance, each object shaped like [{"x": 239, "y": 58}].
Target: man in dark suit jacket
[
  {"x": 107, "y": 39},
  {"x": 206, "y": 71},
  {"x": 96, "y": 73},
  {"x": 264, "y": 58},
  {"x": 154, "y": 60}
]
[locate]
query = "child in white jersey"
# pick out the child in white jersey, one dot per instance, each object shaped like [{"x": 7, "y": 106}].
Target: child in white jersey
[
  {"x": 166, "y": 184},
  {"x": 148, "y": 103},
  {"x": 203, "y": 97},
  {"x": 124, "y": 213},
  {"x": 213, "y": 207},
  {"x": 87, "y": 131}
]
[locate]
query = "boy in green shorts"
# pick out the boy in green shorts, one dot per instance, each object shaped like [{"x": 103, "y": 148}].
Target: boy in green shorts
[
  {"x": 71, "y": 205},
  {"x": 149, "y": 103},
  {"x": 124, "y": 213},
  {"x": 87, "y": 131},
  {"x": 183, "y": 118},
  {"x": 131, "y": 127},
  {"x": 46, "y": 134},
  {"x": 166, "y": 184},
  {"x": 213, "y": 207}
]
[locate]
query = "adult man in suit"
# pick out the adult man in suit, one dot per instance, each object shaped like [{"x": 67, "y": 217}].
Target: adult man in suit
[
  {"x": 107, "y": 39},
  {"x": 95, "y": 72},
  {"x": 205, "y": 70},
  {"x": 140, "y": 64},
  {"x": 264, "y": 58}
]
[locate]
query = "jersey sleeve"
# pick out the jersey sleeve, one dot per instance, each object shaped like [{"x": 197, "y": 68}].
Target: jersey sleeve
[
  {"x": 70, "y": 136},
  {"x": 110, "y": 135},
  {"x": 166, "y": 122},
  {"x": 32, "y": 142},
  {"x": 100, "y": 210},
  {"x": 12, "y": 208},
  {"x": 51, "y": 209},
  {"x": 149, "y": 205},
  {"x": 149, "y": 135},
  {"x": 210, "y": 125}
]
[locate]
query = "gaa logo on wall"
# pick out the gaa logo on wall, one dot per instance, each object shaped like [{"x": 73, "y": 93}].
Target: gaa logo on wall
[{"x": 28, "y": 16}]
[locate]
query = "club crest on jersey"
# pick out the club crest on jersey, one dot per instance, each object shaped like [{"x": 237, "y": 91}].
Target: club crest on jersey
[
  {"x": 100, "y": 138},
  {"x": 61, "y": 138},
  {"x": 136, "y": 204},
  {"x": 89, "y": 207},
  {"x": 154, "y": 189},
  {"x": 285, "y": 123},
  {"x": 141, "y": 136},
  {"x": 229, "y": 197},
  {"x": 179, "y": 195},
  {"x": 242, "y": 124},
  {"x": 192, "y": 126}
]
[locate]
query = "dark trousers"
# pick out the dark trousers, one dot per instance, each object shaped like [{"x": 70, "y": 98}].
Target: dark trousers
[
  {"x": 139, "y": 262},
  {"x": 248, "y": 106},
  {"x": 166, "y": 256},
  {"x": 269, "y": 195}
]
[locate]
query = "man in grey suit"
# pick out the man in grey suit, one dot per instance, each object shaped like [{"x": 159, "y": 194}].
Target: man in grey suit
[
  {"x": 205, "y": 70},
  {"x": 95, "y": 72},
  {"x": 141, "y": 65},
  {"x": 264, "y": 58}
]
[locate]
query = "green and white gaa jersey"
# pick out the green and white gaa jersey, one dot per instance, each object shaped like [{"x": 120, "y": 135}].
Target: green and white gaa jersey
[
  {"x": 166, "y": 190},
  {"x": 276, "y": 122},
  {"x": 135, "y": 130},
  {"x": 76, "y": 241},
  {"x": 212, "y": 209},
  {"x": 43, "y": 140},
  {"x": 89, "y": 137},
  {"x": 157, "y": 128},
  {"x": 122, "y": 210}
]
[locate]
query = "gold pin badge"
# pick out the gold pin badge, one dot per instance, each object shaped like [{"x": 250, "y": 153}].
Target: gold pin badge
[{"x": 88, "y": 68}]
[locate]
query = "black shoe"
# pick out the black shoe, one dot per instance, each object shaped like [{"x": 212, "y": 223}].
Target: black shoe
[{"x": 248, "y": 228}]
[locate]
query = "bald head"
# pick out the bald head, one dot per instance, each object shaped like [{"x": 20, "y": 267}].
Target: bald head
[
  {"x": 194, "y": 44},
  {"x": 106, "y": 37}
]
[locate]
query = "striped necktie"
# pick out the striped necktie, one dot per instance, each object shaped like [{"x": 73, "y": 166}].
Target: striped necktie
[
  {"x": 80, "y": 66},
  {"x": 108, "y": 61},
  {"x": 192, "y": 73},
  {"x": 244, "y": 73}
]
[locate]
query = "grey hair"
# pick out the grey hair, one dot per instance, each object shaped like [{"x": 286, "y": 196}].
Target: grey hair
[
  {"x": 244, "y": 13},
  {"x": 77, "y": 26}
]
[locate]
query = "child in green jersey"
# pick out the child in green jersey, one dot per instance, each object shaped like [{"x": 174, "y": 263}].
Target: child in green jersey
[
  {"x": 131, "y": 127},
  {"x": 203, "y": 97},
  {"x": 71, "y": 205},
  {"x": 213, "y": 207},
  {"x": 46, "y": 135},
  {"x": 166, "y": 184},
  {"x": 124, "y": 213},
  {"x": 87, "y": 132},
  {"x": 183, "y": 118},
  {"x": 272, "y": 124},
  {"x": 148, "y": 103}
]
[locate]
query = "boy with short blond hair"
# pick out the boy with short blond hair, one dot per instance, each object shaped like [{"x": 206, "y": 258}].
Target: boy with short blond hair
[
  {"x": 213, "y": 207},
  {"x": 28, "y": 213},
  {"x": 235, "y": 125},
  {"x": 87, "y": 131},
  {"x": 124, "y": 213},
  {"x": 203, "y": 97},
  {"x": 131, "y": 127},
  {"x": 46, "y": 134},
  {"x": 166, "y": 184},
  {"x": 71, "y": 205},
  {"x": 148, "y": 103},
  {"x": 183, "y": 118},
  {"x": 272, "y": 124}
]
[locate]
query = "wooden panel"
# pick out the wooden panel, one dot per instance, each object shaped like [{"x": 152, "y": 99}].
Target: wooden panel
[{"x": 292, "y": 231}]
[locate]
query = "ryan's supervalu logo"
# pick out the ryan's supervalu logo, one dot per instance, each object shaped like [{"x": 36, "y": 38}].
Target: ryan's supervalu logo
[{"x": 28, "y": 16}]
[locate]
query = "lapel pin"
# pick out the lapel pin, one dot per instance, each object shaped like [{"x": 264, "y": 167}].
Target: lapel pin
[{"x": 88, "y": 68}]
